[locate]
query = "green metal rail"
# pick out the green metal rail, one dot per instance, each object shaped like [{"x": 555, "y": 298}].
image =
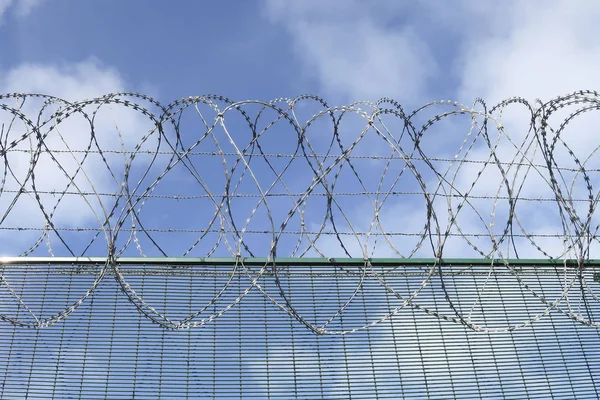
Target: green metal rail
[{"x": 315, "y": 262}]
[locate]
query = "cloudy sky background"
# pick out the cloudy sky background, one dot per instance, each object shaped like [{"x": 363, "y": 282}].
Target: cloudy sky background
[{"x": 343, "y": 51}]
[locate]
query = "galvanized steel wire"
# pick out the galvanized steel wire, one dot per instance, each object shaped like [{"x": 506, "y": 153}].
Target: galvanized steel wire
[{"x": 276, "y": 179}]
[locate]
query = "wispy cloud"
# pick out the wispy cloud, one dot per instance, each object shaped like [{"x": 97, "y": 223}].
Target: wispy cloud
[
  {"x": 531, "y": 51},
  {"x": 21, "y": 8},
  {"x": 351, "y": 55}
]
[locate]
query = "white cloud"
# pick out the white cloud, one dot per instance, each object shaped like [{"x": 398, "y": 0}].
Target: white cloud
[
  {"x": 72, "y": 82},
  {"x": 512, "y": 48},
  {"x": 535, "y": 52},
  {"x": 21, "y": 8},
  {"x": 83, "y": 80},
  {"x": 532, "y": 51},
  {"x": 343, "y": 45}
]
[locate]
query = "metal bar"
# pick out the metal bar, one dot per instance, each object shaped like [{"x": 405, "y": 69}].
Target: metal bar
[{"x": 259, "y": 261}]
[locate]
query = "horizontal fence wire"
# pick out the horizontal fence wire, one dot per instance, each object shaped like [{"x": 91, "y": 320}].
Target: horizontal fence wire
[{"x": 292, "y": 249}]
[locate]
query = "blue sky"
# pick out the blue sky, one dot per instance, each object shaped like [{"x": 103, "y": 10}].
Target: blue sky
[
  {"x": 221, "y": 41},
  {"x": 265, "y": 49},
  {"x": 344, "y": 51},
  {"x": 241, "y": 50}
]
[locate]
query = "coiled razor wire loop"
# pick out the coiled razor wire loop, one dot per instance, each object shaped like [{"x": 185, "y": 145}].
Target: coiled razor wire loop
[{"x": 300, "y": 178}]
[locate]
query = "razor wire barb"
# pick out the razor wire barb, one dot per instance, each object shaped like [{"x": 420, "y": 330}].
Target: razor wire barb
[{"x": 299, "y": 178}]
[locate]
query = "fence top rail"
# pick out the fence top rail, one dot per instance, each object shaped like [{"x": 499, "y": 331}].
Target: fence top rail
[{"x": 308, "y": 261}]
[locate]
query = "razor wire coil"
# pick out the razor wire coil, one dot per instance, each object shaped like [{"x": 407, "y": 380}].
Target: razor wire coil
[{"x": 300, "y": 178}]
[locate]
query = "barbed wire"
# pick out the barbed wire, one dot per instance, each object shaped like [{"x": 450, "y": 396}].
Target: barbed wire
[{"x": 123, "y": 175}]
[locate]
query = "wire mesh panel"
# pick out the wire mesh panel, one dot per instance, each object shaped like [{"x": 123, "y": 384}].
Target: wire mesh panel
[
  {"x": 108, "y": 349},
  {"x": 291, "y": 249}
]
